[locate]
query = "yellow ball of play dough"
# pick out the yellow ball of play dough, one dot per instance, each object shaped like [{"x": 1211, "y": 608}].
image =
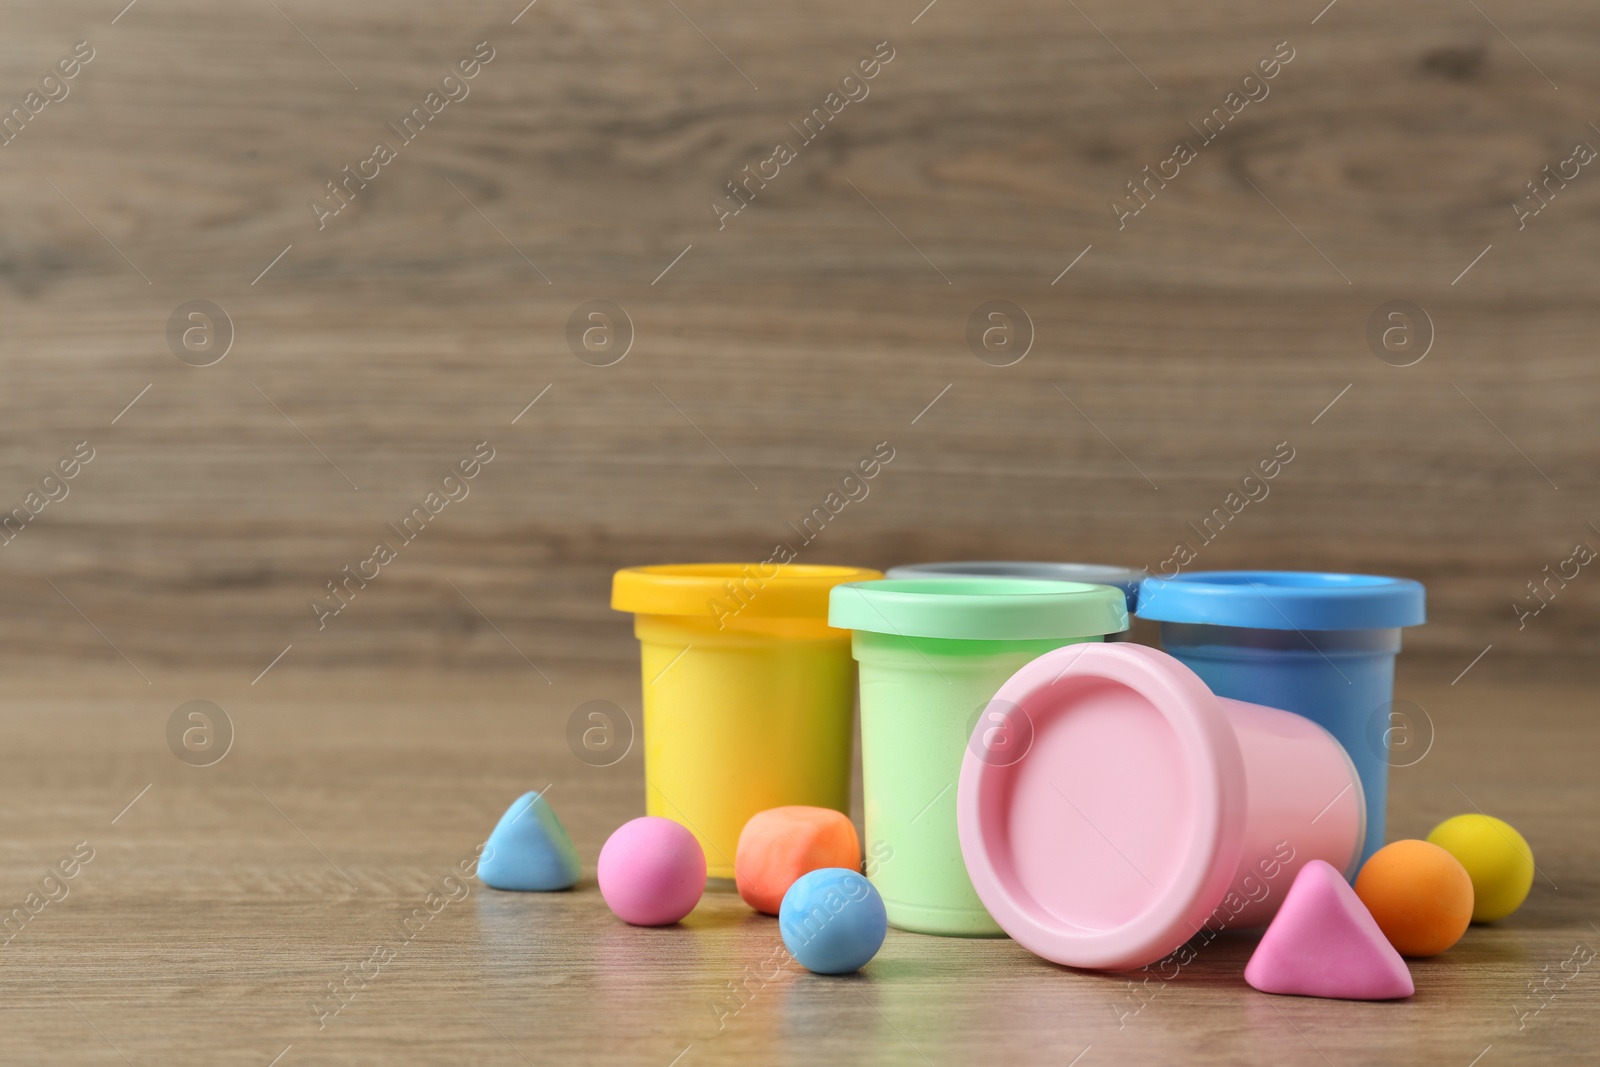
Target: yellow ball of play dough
[{"x": 1497, "y": 859}]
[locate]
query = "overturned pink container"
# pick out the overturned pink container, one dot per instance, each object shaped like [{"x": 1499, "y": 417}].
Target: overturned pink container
[{"x": 1111, "y": 807}]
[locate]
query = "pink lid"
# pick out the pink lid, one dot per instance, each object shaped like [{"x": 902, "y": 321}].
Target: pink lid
[{"x": 1108, "y": 840}]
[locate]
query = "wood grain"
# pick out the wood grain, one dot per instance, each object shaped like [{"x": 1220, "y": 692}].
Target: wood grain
[
  {"x": 218, "y": 907},
  {"x": 776, "y": 351},
  {"x": 821, "y": 320}
]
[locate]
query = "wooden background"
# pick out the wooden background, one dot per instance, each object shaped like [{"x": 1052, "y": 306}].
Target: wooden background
[
  {"x": 770, "y": 356},
  {"x": 420, "y": 320}
]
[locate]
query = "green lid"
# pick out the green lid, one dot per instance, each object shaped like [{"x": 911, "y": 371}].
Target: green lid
[{"x": 979, "y": 609}]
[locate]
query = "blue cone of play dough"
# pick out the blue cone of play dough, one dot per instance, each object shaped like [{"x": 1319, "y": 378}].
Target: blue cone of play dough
[
  {"x": 832, "y": 921},
  {"x": 529, "y": 849}
]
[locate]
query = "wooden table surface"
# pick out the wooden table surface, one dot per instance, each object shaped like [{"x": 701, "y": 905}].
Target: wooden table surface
[
  {"x": 218, "y": 907},
  {"x": 1171, "y": 355}
]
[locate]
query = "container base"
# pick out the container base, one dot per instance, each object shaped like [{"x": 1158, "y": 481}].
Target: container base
[{"x": 941, "y": 922}]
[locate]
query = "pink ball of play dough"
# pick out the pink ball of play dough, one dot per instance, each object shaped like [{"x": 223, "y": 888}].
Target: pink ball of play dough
[{"x": 652, "y": 872}]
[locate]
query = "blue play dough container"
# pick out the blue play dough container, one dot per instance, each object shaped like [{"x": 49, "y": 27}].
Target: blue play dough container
[{"x": 1319, "y": 645}]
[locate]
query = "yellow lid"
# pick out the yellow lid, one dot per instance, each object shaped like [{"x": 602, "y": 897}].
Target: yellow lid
[{"x": 770, "y": 589}]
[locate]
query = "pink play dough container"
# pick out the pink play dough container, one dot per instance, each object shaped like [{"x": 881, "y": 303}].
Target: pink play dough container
[{"x": 1144, "y": 807}]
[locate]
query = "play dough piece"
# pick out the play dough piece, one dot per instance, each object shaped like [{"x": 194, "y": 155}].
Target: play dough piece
[
  {"x": 778, "y": 845},
  {"x": 652, "y": 871},
  {"x": 833, "y": 921},
  {"x": 1324, "y": 943},
  {"x": 529, "y": 849},
  {"x": 1497, "y": 859},
  {"x": 1419, "y": 894}
]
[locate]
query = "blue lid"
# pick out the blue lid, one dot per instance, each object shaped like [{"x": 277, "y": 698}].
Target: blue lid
[{"x": 1284, "y": 600}]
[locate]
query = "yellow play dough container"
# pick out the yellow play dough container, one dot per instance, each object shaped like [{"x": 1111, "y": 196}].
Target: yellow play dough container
[{"x": 748, "y": 692}]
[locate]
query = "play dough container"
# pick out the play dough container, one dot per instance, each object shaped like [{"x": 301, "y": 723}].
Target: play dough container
[
  {"x": 1146, "y": 808},
  {"x": 1126, "y": 579},
  {"x": 932, "y": 652},
  {"x": 1319, "y": 645},
  {"x": 748, "y": 693}
]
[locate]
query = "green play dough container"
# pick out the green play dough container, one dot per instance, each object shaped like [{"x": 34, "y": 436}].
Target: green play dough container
[{"x": 933, "y": 651}]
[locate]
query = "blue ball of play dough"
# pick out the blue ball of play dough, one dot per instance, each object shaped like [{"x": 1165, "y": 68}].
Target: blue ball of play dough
[{"x": 832, "y": 921}]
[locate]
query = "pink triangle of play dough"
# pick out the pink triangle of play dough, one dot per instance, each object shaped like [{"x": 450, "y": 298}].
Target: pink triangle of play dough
[{"x": 1324, "y": 943}]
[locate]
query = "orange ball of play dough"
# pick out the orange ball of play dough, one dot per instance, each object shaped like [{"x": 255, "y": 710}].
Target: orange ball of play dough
[
  {"x": 778, "y": 845},
  {"x": 1419, "y": 894}
]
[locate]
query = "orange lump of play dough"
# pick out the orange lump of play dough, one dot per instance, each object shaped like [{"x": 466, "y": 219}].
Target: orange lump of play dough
[
  {"x": 779, "y": 845},
  {"x": 1420, "y": 895}
]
